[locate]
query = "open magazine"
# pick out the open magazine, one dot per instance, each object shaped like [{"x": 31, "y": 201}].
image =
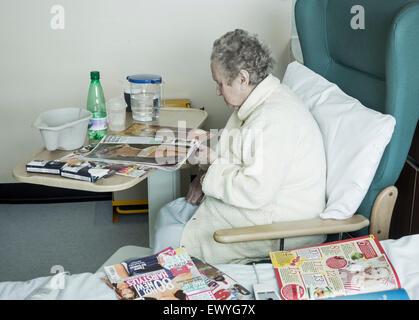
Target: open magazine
[
  {"x": 335, "y": 269},
  {"x": 168, "y": 275},
  {"x": 156, "y": 131},
  {"x": 162, "y": 147},
  {"x": 149, "y": 151},
  {"x": 222, "y": 285}
]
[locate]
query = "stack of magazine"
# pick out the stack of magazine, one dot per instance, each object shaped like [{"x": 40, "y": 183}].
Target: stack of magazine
[
  {"x": 171, "y": 275},
  {"x": 72, "y": 166}
]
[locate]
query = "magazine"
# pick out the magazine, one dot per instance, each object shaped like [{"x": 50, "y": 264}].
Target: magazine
[
  {"x": 54, "y": 166},
  {"x": 334, "y": 269},
  {"x": 92, "y": 171},
  {"x": 167, "y": 275},
  {"x": 396, "y": 294},
  {"x": 134, "y": 171},
  {"x": 222, "y": 285},
  {"x": 146, "y": 151},
  {"x": 164, "y": 133},
  {"x": 44, "y": 166},
  {"x": 72, "y": 166}
]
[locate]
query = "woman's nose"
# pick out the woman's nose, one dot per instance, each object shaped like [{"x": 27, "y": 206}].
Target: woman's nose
[{"x": 217, "y": 91}]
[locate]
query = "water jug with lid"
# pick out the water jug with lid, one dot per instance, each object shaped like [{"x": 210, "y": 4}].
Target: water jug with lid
[{"x": 145, "y": 96}]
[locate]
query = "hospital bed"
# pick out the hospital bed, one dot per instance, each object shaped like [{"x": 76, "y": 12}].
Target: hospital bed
[{"x": 402, "y": 253}]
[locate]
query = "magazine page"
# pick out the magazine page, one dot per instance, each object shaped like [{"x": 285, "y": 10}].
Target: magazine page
[
  {"x": 170, "y": 274},
  {"x": 340, "y": 268},
  {"x": 134, "y": 171},
  {"x": 91, "y": 171},
  {"x": 148, "y": 151},
  {"x": 222, "y": 285},
  {"x": 162, "y": 133}
]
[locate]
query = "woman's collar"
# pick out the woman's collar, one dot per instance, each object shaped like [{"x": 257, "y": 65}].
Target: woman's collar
[{"x": 259, "y": 94}]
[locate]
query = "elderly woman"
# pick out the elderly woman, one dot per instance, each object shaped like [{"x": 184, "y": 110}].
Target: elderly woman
[{"x": 269, "y": 164}]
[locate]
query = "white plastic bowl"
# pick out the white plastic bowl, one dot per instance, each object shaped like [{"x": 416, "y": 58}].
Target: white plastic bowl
[{"x": 63, "y": 129}]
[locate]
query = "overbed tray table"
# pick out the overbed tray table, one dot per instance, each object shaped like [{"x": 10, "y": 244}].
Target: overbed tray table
[{"x": 163, "y": 186}]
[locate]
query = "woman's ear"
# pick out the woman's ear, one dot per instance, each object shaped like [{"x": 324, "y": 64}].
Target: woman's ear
[{"x": 244, "y": 77}]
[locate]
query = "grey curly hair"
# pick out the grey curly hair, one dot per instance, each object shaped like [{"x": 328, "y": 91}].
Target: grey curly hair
[{"x": 238, "y": 50}]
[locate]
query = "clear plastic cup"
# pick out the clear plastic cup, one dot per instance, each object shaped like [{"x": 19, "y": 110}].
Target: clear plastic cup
[
  {"x": 116, "y": 112},
  {"x": 142, "y": 106}
]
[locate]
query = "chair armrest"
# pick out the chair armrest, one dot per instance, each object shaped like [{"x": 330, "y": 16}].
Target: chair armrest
[
  {"x": 291, "y": 229},
  {"x": 382, "y": 211}
]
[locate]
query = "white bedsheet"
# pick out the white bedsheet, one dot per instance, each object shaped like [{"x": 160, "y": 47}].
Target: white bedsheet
[{"x": 403, "y": 253}]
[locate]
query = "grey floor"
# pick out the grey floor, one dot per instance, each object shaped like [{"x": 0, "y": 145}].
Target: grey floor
[{"x": 78, "y": 236}]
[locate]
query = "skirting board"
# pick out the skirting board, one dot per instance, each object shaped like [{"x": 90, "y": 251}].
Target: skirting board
[{"x": 25, "y": 193}]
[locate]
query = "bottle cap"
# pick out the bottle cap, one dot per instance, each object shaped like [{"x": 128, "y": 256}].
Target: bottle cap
[{"x": 94, "y": 75}]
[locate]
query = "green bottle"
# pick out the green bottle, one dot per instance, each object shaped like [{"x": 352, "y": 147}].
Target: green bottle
[{"x": 96, "y": 105}]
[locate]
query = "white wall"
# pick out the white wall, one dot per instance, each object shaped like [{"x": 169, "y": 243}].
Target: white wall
[{"x": 42, "y": 68}]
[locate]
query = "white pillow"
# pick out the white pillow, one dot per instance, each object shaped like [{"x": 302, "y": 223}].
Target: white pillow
[{"x": 354, "y": 138}]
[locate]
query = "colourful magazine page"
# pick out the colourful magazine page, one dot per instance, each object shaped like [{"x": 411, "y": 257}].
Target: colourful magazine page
[
  {"x": 168, "y": 275},
  {"x": 222, "y": 285},
  {"x": 334, "y": 269},
  {"x": 147, "y": 151}
]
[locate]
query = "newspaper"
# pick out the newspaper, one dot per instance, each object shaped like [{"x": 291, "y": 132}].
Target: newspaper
[
  {"x": 334, "y": 269},
  {"x": 222, "y": 285},
  {"x": 168, "y": 275}
]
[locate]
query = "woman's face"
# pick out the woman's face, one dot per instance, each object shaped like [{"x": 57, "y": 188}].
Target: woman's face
[{"x": 234, "y": 94}]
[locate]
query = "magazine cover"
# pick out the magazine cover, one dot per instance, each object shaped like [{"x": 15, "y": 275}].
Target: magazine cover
[
  {"x": 90, "y": 171},
  {"x": 168, "y": 275},
  {"x": 131, "y": 267},
  {"x": 222, "y": 285},
  {"x": 148, "y": 151},
  {"x": 44, "y": 166},
  {"x": 334, "y": 269}
]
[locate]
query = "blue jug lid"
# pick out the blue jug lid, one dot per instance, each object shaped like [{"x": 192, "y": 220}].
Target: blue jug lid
[{"x": 144, "y": 78}]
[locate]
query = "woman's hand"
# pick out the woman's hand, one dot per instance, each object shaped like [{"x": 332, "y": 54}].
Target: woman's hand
[
  {"x": 195, "y": 193},
  {"x": 203, "y": 156}
]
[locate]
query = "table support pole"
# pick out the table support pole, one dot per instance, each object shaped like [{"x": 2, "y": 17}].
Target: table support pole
[{"x": 163, "y": 187}]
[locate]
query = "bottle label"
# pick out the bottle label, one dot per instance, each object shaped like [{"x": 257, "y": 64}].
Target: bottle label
[{"x": 98, "y": 124}]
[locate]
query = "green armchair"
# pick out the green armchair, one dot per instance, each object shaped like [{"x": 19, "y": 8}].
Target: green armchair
[{"x": 377, "y": 65}]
